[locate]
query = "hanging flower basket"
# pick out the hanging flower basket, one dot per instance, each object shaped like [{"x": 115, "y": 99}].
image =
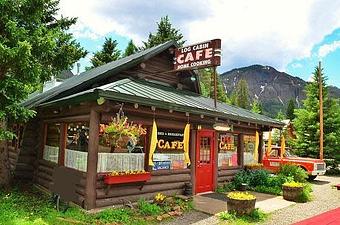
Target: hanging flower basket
[
  {"x": 126, "y": 177},
  {"x": 292, "y": 191},
  {"x": 242, "y": 203}
]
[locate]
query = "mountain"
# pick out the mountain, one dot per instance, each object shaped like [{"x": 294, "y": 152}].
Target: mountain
[{"x": 272, "y": 88}]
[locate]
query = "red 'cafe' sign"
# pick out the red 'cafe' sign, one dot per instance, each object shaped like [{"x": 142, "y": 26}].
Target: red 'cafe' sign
[{"x": 204, "y": 54}]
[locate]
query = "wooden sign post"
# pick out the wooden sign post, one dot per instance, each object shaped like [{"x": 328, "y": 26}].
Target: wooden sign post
[
  {"x": 202, "y": 55},
  {"x": 321, "y": 111}
]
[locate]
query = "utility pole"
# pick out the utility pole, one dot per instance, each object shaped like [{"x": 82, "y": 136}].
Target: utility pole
[
  {"x": 321, "y": 111},
  {"x": 215, "y": 87}
]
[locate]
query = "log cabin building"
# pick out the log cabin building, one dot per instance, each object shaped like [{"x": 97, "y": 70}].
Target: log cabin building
[{"x": 62, "y": 146}]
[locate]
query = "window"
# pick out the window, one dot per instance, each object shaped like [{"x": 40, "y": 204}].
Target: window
[
  {"x": 52, "y": 141},
  {"x": 227, "y": 150},
  {"x": 249, "y": 149},
  {"x": 77, "y": 145},
  {"x": 127, "y": 154},
  {"x": 169, "y": 153}
]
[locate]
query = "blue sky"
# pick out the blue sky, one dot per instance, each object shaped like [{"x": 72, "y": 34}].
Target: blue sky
[{"x": 290, "y": 35}]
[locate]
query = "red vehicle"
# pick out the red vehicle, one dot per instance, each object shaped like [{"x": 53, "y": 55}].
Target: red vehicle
[{"x": 313, "y": 167}]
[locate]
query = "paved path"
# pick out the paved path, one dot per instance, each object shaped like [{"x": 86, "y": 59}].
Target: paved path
[{"x": 325, "y": 198}]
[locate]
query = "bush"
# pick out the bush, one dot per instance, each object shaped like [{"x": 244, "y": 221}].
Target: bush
[
  {"x": 148, "y": 209},
  {"x": 227, "y": 187},
  {"x": 276, "y": 190},
  {"x": 298, "y": 174},
  {"x": 251, "y": 177},
  {"x": 305, "y": 195},
  {"x": 255, "y": 216}
]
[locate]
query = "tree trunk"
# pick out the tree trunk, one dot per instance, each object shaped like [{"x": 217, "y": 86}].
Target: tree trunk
[{"x": 4, "y": 161}]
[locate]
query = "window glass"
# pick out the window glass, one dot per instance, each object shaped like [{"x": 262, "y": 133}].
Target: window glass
[
  {"x": 52, "y": 141},
  {"x": 249, "y": 149},
  {"x": 227, "y": 150},
  {"x": 77, "y": 145},
  {"x": 169, "y": 153},
  {"x": 124, "y": 154}
]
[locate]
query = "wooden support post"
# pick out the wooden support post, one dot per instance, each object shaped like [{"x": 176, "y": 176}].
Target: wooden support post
[
  {"x": 260, "y": 146},
  {"x": 215, "y": 87},
  {"x": 241, "y": 149},
  {"x": 62, "y": 144},
  {"x": 92, "y": 160},
  {"x": 321, "y": 111},
  {"x": 193, "y": 145}
]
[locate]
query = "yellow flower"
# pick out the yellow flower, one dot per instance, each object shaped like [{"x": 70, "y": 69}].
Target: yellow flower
[{"x": 241, "y": 195}]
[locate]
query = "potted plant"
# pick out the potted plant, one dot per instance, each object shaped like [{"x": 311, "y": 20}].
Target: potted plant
[
  {"x": 120, "y": 132},
  {"x": 126, "y": 177},
  {"x": 292, "y": 190},
  {"x": 240, "y": 202}
]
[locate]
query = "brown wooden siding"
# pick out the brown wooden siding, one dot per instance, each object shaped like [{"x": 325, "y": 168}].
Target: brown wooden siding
[{"x": 168, "y": 182}]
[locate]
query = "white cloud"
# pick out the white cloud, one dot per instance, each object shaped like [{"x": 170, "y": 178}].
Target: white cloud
[
  {"x": 264, "y": 31},
  {"x": 297, "y": 65},
  {"x": 328, "y": 48}
]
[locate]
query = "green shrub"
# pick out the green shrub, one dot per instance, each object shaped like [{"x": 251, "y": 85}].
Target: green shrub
[
  {"x": 251, "y": 177},
  {"x": 276, "y": 190},
  {"x": 298, "y": 174},
  {"x": 148, "y": 209},
  {"x": 305, "y": 195},
  {"x": 255, "y": 216},
  {"x": 227, "y": 187}
]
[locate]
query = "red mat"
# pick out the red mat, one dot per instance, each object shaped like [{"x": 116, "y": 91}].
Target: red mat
[{"x": 328, "y": 218}]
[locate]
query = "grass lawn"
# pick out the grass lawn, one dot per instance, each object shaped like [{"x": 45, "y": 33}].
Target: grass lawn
[{"x": 27, "y": 205}]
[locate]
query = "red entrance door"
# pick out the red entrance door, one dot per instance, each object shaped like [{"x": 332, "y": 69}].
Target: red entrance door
[{"x": 205, "y": 161}]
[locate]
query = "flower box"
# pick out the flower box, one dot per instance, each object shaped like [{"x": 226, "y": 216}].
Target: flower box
[
  {"x": 127, "y": 178},
  {"x": 291, "y": 193}
]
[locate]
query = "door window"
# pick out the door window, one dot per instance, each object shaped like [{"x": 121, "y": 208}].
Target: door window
[{"x": 205, "y": 150}]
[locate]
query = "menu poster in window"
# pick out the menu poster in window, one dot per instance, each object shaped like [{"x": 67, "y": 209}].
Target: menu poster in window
[
  {"x": 170, "y": 141},
  {"x": 161, "y": 165}
]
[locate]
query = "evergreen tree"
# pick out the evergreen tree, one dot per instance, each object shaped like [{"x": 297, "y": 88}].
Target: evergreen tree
[
  {"x": 34, "y": 45},
  {"x": 108, "y": 53},
  {"x": 130, "y": 49},
  {"x": 256, "y": 107},
  {"x": 165, "y": 32},
  {"x": 290, "y": 110},
  {"x": 280, "y": 116},
  {"x": 207, "y": 85},
  {"x": 306, "y": 122},
  {"x": 241, "y": 95}
]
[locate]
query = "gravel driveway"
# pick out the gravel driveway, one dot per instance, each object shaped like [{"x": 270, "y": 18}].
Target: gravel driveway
[{"x": 325, "y": 199}]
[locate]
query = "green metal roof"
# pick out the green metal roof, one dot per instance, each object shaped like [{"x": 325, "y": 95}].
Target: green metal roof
[
  {"x": 86, "y": 79},
  {"x": 165, "y": 97}
]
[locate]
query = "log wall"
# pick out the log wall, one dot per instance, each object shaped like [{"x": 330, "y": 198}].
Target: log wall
[
  {"x": 226, "y": 175},
  {"x": 168, "y": 182}
]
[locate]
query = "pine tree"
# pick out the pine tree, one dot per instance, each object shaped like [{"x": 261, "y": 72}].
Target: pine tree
[
  {"x": 280, "y": 116},
  {"x": 34, "y": 45},
  {"x": 241, "y": 95},
  {"x": 306, "y": 122},
  {"x": 256, "y": 107},
  {"x": 290, "y": 110},
  {"x": 130, "y": 49},
  {"x": 207, "y": 87},
  {"x": 108, "y": 53},
  {"x": 165, "y": 32}
]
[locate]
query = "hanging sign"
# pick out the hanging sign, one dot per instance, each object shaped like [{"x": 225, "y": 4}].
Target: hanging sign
[
  {"x": 170, "y": 140},
  {"x": 201, "y": 55}
]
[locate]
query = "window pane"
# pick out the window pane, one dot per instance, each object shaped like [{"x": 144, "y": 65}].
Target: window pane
[
  {"x": 51, "y": 148},
  {"x": 127, "y": 154},
  {"x": 249, "y": 149},
  {"x": 227, "y": 150},
  {"x": 169, "y": 152},
  {"x": 77, "y": 146}
]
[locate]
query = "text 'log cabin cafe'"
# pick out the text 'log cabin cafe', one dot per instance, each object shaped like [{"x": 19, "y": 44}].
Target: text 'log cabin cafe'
[{"x": 135, "y": 127}]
